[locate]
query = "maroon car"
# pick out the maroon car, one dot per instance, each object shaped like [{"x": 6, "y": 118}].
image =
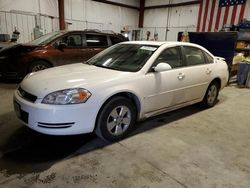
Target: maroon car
[{"x": 54, "y": 49}]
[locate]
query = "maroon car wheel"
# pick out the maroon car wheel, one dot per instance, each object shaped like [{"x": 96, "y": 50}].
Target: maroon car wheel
[{"x": 38, "y": 65}]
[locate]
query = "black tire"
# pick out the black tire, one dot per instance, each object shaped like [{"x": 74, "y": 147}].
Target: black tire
[
  {"x": 124, "y": 121},
  {"x": 38, "y": 65},
  {"x": 211, "y": 95}
]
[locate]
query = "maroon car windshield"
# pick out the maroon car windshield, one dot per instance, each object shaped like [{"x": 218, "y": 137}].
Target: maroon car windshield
[{"x": 45, "y": 39}]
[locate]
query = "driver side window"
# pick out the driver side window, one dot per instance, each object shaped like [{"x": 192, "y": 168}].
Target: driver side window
[
  {"x": 74, "y": 40},
  {"x": 172, "y": 56}
]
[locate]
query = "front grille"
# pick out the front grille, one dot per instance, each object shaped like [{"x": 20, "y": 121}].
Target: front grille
[{"x": 26, "y": 95}]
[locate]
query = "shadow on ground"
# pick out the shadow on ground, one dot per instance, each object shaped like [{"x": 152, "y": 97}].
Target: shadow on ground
[{"x": 25, "y": 151}]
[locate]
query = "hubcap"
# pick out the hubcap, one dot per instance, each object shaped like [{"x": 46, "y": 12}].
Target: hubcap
[
  {"x": 38, "y": 68},
  {"x": 212, "y": 94},
  {"x": 118, "y": 120}
]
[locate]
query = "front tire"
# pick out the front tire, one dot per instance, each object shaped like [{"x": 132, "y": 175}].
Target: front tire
[
  {"x": 38, "y": 66},
  {"x": 211, "y": 95},
  {"x": 116, "y": 119}
]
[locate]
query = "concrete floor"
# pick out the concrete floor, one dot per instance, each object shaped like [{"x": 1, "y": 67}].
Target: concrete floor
[{"x": 188, "y": 148}]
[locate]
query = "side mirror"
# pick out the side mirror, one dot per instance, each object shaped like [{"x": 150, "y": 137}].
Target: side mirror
[
  {"x": 162, "y": 67},
  {"x": 62, "y": 46}
]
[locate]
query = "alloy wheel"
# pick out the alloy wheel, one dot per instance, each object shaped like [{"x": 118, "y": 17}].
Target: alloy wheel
[
  {"x": 119, "y": 120},
  {"x": 38, "y": 68},
  {"x": 212, "y": 94}
]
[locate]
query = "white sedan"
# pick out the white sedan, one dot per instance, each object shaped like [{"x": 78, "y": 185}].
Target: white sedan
[{"x": 125, "y": 83}]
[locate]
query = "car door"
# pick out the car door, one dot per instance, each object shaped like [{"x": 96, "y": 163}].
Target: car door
[
  {"x": 165, "y": 89},
  {"x": 95, "y": 43},
  {"x": 198, "y": 72},
  {"x": 68, "y": 49}
]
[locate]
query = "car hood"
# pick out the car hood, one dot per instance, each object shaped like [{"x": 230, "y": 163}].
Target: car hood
[
  {"x": 69, "y": 76},
  {"x": 6, "y": 44},
  {"x": 13, "y": 49}
]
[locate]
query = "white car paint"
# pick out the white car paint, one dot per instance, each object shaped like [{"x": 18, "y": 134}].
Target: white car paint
[{"x": 154, "y": 95}]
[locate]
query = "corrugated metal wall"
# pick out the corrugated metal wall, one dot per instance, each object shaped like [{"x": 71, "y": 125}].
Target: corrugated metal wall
[
  {"x": 88, "y": 14},
  {"x": 79, "y": 14},
  {"x": 25, "y": 23},
  {"x": 167, "y": 22},
  {"x": 22, "y": 22}
]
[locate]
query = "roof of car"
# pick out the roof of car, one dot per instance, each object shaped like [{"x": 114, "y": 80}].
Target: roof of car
[
  {"x": 156, "y": 43},
  {"x": 91, "y": 31}
]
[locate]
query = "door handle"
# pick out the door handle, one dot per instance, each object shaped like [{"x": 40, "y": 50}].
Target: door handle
[
  {"x": 181, "y": 76},
  {"x": 209, "y": 70}
]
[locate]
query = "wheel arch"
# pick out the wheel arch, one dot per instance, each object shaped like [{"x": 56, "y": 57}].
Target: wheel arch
[
  {"x": 205, "y": 103},
  {"x": 127, "y": 94},
  {"x": 38, "y": 59},
  {"x": 217, "y": 80}
]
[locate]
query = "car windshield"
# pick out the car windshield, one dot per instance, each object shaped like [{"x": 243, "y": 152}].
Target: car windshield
[
  {"x": 45, "y": 39},
  {"x": 124, "y": 57}
]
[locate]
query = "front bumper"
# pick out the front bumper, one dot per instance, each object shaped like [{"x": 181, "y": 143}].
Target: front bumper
[
  {"x": 10, "y": 75},
  {"x": 10, "y": 70},
  {"x": 56, "y": 119}
]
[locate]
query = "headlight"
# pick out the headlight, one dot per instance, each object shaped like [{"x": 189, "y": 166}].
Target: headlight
[{"x": 67, "y": 96}]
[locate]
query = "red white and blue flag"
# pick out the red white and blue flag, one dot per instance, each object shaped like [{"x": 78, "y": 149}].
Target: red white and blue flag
[{"x": 214, "y": 14}]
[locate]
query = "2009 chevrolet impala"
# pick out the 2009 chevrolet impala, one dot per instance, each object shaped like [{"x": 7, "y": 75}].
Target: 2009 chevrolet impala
[{"x": 124, "y": 83}]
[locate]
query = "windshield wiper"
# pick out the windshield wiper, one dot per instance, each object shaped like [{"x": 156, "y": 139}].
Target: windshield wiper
[
  {"x": 112, "y": 68},
  {"x": 86, "y": 62}
]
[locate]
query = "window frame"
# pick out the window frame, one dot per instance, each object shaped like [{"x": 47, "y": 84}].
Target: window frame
[
  {"x": 205, "y": 55},
  {"x": 185, "y": 58},
  {"x": 181, "y": 56},
  {"x": 70, "y": 47}
]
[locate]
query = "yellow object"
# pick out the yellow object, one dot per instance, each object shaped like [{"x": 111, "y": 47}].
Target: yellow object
[
  {"x": 246, "y": 59},
  {"x": 241, "y": 44}
]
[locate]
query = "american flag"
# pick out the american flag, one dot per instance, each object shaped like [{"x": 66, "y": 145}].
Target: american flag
[{"x": 214, "y": 14}]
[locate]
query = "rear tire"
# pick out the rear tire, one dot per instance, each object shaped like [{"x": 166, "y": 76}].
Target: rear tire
[
  {"x": 38, "y": 65},
  {"x": 211, "y": 95},
  {"x": 115, "y": 120}
]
